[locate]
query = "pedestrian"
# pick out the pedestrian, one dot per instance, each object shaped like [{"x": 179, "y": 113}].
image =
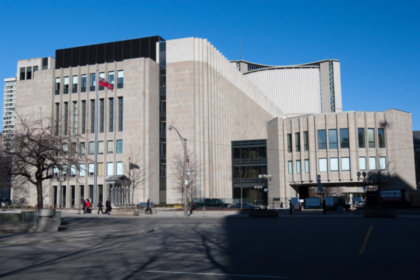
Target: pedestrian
[
  {"x": 84, "y": 206},
  {"x": 324, "y": 207},
  {"x": 192, "y": 207},
  {"x": 108, "y": 207},
  {"x": 291, "y": 207},
  {"x": 100, "y": 206},
  {"x": 88, "y": 206},
  {"x": 148, "y": 207}
]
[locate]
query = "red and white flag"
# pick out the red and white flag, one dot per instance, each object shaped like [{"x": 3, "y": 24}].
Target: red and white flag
[{"x": 104, "y": 83}]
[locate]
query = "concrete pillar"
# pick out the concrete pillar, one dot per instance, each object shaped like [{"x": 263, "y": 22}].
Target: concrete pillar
[{"x": 68, "y": 197}]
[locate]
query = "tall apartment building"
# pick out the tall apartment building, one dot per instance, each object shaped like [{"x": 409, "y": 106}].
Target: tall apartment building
[
  {"x": 9, "y": 99},
  {"x": 234, "y": 124}
]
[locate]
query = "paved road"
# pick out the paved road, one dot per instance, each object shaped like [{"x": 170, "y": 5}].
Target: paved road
[{"x": 289, "y": 247}]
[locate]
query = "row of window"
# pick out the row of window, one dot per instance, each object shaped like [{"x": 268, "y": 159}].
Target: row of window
[
  {"x": 109, "y": 170},
  {"x": 334, "y": 164},
  {"x": 83, "y": 115},
  {"x": 336, "y": 135},
  {"x": 91, "y": 149},
  {"x": 84, "y": 82}
]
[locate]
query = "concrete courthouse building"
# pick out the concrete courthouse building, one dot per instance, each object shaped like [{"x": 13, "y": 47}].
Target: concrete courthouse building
[{"x": 239, "y": 120}]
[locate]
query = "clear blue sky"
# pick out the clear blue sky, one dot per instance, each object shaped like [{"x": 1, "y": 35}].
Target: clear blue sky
[{"x": 377, "y": 42}]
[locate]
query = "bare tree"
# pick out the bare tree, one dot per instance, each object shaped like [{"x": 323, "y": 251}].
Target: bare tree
[
  {"x": 192, "y": 188},
  {"x": 136, "y": 173},
  {"x": 37, "y": 149}
]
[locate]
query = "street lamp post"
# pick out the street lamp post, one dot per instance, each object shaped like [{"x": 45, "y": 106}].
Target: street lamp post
[{"x": 184, "y": 169}]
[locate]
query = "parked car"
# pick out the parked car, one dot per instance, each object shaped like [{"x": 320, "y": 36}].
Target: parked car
[{"x": 213, "y": 202}]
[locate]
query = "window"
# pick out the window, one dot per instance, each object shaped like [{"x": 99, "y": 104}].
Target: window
[
  {"x": 64, "y": 170},
  {"x": 109, "y": 169},
  {"x": 28, "y": 72},
  {"x": 332, "y": 138},
  {"x": 22, "y": 73},
  {"x": 307, "y": 165},
  {"x": 66, "y": 117},
  {"x": 57, "y": 86},
  {"x": 57, "y": 118},
  {"x": 83, "y": 116},
  {"x": 371, "y": 138},
  {"x": 100, "y": 147},
  {"x": 91, "y": 169},
  {"x": 119, "y": 168},
  {"x": 361, "y": 136},
  {"x": 362, "y": 163},
  {"x": 35, "y": 69},
  {"x": 101, "y": 114},
  {"x": 101, "y": 76},
  {"x": 110, "y": 147},
  {"x": 120, "y": 114},
  {"x": 111, "y": 114},
  {"x": 290, "y": 166},
  {"x": 289, "y": 142},
  {"x": 91, "y": 147},
  {"x": 120, "y": 79},
  {"x": 73, "y": 170},
  {"x": 92, "y": 81},
  {"x": 82, "y": 170},
  {"x": 119, "y": 146},
  {"x": 66, "y": 85},
  {"x": 344, "y": 138},
  {"x": 65, "y": 149},
  {"x": 322, "y": 139},
  {"x": 100, "y": 170},
  {"x": 297, "y": 141},
  {"x": 111, "y": 77},
  {"x": 92, "y": 116},
  {"x": 372, "y": 163},
  {"x": 44, "y": 63},
  {"x": 84, "y": 83},
  {"x": 334, "y": 164},
  {"x": 74, "y": 83},
  {"x": 381, "y": 138},
  {"x": 382, "y": 163},
  {"x": 74, "y": 117},
  {"x": 55, "y": 171},
  {"x": 298, "y": 167},
  {"x": 323, "y": 165},
  {"x": 305, "y": 141},
  {"x": 82, "y": 148},
  {"x": 73, "y": 149},
  {"x": 345, "y": 164}
]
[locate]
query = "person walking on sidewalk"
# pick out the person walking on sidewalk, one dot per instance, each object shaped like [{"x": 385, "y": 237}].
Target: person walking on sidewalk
[
  {"x": 108, "y": 207},
  {"x": 192, "y": 208},
  {"x": 148, "y": 207},
  {"x": 100, "y": 207}
]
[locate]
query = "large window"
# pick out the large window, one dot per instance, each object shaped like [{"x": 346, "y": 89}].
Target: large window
[
  {"x": 84, "y": 83},
  {"x": 83, "y": 116},
  {"x": 57, "y": 118},
  {"x": 323, "y": 165},
  {"x": 361, "y": 136},
  {"x": 119, "y": 146},
  {"x": 119, "y": 168},
  {"x": 100, "y": 147},
  {"x": 120, "y": 79},
  {"x": 111, "y": 77},
  {"x": 120, "y": 114},
  {"x": 297, "y": 141},
  {"x": 382, "y": 163},
  {"x": 111, "y": 114},
  {"x": 372, "y": 163},
  {"x": 29, "y": 72},
  {"x": 334, "y": 164},
  {"x": 74, "y": 117},
  {"x": 82, "y": 170},
  {"x": 381, "y": 137},
  {"x": 91, "y": 147},
  {"x": 344, "y": 138},
  {"x": 92, "y": 116},
  {"x": 101, "y": 76},
  {"x": 289, "y": 142},
  {"x": 101, "y": 115},
  {"x": 332, "y": 138},
  {"x": 92, "y": 81},
  {"x": 322, "y": 139},
  {"x": 110, "y": 147},
  {"x": 362, "y": 163},
  {"x": 371, "y": 137},
  {"x": 100, "y": 169},
  {"x": 66, "y": 117},
  {"x": 22, "y": 73},
  {"x": 91, "y": 169},
  {"x": 298, "y": 167},
  {"x": 345, "y": 164},
  {"x": 109, "y": 168},
  {"x": 82, "y": 149},
  {"x": 305, "y": 141},
  {"x": 290, "y": 166},
  {"x": 307, "y": 165},
  {"x": 66, "y": 85},
  {"x": 57, "y": 85},
  {"x": 75, "y": 81}
]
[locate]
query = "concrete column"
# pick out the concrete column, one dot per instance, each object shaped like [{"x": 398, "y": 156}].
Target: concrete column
[
  {"x": 77, "y": 197},
  {"x": 68, "y": 197}
]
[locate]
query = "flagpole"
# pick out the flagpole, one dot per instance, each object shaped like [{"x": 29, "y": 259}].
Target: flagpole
[{"x": 95, "y": 176}]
